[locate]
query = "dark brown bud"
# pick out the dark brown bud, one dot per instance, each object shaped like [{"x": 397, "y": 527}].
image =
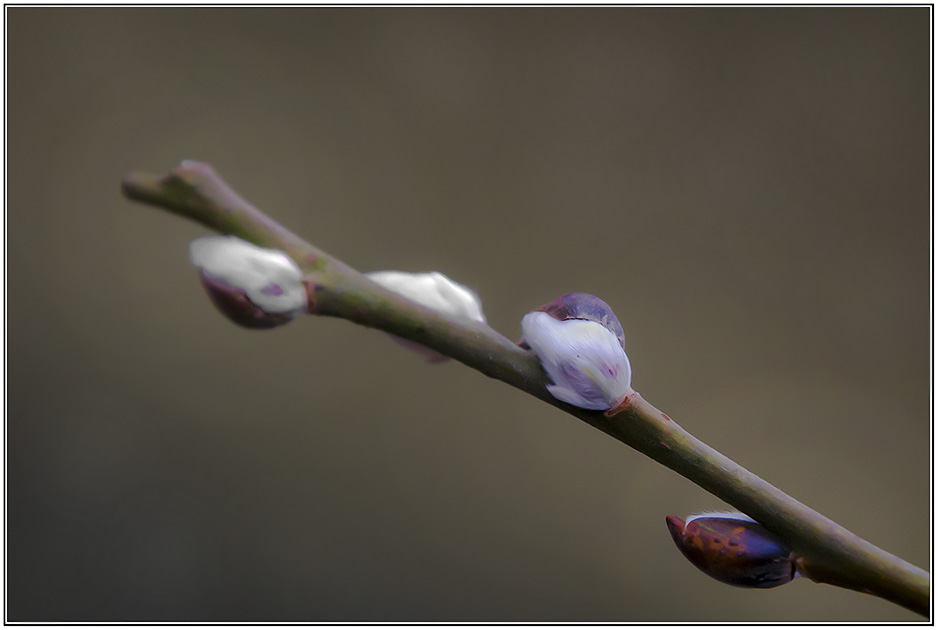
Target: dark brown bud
[{"x": 734, "y": 549}]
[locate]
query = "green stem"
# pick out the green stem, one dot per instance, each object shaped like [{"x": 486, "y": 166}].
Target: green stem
[{"x": 829, "y": 553}]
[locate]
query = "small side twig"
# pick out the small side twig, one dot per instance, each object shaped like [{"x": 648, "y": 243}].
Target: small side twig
[{"x": 828, "y": 552}]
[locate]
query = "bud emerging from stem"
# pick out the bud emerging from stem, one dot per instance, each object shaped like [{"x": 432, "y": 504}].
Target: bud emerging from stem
[
  {"x": 581, "y": 346},
  {"x": 434, "y": 291},
  {"x": 253, "y": 286},
  {"x": 733, "y": 548}
]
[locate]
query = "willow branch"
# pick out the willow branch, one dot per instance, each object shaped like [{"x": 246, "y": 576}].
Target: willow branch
[{"x": 829, "y": 553}]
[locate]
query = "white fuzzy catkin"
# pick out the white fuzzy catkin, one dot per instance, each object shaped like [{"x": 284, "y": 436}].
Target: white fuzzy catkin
[
  {"x": 432, "y": 290},
  {"x": 583, "y": 358},
  {"x": 269, "y": 278}
]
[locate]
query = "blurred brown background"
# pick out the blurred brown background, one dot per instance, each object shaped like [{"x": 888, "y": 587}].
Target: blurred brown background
[{"x": 748, "y": 188}]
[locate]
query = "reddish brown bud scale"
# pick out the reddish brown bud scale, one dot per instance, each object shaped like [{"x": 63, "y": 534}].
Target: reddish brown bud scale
[
  {"x": 583, "y": 306},
  {"x": 734, "y": 550},
  {"x": 622, "y": 406},
  {"x": 235, "y": 305}
]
